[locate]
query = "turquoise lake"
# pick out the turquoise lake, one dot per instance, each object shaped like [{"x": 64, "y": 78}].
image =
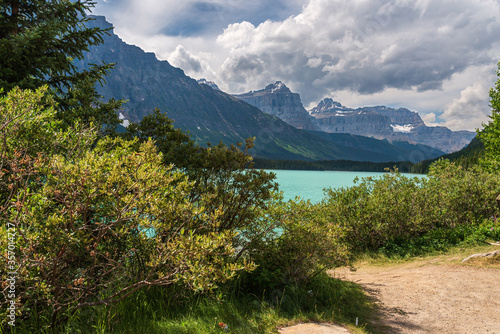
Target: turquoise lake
[{"x": 310, "y": 184}]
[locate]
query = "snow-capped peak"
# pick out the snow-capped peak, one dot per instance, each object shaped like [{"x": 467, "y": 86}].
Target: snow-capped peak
[
  {"x": 278, "y": 86},
  {"x": 329, "y": 105},
  {"x": 406, "y": 128}
]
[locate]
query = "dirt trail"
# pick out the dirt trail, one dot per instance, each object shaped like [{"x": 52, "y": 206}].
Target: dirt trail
[
  {"x": 433, "y": 297},
  {"x": 427, "y": 296}
]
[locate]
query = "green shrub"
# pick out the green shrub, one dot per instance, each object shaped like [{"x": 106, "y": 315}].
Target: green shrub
[
  {"x": 394, "y": 209},
  {"x": 461, "y": 196},
  {"x": 434, "y": 241},
  {"x": 375, "y": 211},
  {"x": 488, "y": 230},
  {"x": 302, "y": 246}
]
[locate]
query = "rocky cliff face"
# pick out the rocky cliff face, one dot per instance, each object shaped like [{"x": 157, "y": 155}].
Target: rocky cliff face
[
  {"x": 387, "y": 123},
  {"x": 379, "y": 122},
  {"x": 277, "y": 100}
]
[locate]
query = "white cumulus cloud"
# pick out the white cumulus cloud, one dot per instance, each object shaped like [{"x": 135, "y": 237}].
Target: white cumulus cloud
[
  {"x": 182, "y": 58},
  {"x": 468, "y": 111},
  {"x": 365, "y": 46}
]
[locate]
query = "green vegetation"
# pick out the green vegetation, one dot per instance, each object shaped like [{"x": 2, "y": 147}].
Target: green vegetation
[
  {"x": 94, "y": 221},
  {"x": 491, "y": 133},
  {"x": 407, "y": 217},
  {"x": 159, "y": 310},
  {"x": 146, "y": 232},
  {"x": 467, "y": 157},
  {"x": 340, "y": 165}
]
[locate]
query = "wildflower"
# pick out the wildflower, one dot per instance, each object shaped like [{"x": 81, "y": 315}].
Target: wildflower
[{"x": 223, "y": 326}]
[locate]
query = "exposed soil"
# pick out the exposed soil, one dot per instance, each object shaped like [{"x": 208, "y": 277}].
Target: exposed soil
[
  {"x": 433, "y": 296},
  {"x": 427, "y": 296}
]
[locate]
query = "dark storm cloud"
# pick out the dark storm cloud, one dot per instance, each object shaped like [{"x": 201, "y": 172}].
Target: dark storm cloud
[
  {"x": 381, "y": 44},
  {"x": 193, "y": 18}
]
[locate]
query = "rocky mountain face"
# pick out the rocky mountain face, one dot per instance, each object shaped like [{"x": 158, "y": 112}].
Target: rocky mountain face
[
  {"x": 213, "y": 116},
  {"x": 387, "y": 123},
  {"x": 277, "y": 100},
  {"x": 380, "y": 122}
]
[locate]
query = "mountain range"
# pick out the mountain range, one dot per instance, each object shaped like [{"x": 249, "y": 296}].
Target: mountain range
[
  {"x": 379, "y": 122},
  {"x": 210, "y": 115}
]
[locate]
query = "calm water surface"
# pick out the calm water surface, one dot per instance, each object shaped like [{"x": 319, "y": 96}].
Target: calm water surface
[{"x": 310, "y": 184}]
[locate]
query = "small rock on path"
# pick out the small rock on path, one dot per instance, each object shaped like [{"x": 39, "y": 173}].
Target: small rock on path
[{"x": 314, "y": 329}]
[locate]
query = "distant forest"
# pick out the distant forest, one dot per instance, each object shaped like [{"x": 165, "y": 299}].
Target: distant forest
[
  {"x": 468, "y": 156},
  {"x": 340, "y": 165}
]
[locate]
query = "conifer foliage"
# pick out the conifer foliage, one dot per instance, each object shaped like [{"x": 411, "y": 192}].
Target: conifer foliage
[{"x": 39, "y": 40}]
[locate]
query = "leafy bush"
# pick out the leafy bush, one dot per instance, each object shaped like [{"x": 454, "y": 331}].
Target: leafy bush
[
  {"x": 394, "y": 209},
  {"x": 238, "y": 193},
  {"x": 436, "y": 240},
  {"x": 461, "y": 196},
  {"x": 443, "y": 238},
  {"x": 375, "y": 211},
  {"x": 302, "y": 245},
  {"x": 489, "y": 229}
]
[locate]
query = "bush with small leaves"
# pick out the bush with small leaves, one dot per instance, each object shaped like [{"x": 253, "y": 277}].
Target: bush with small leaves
[
  {"x": 394, "y": 208},
  {"x": 302, "y": 245}
]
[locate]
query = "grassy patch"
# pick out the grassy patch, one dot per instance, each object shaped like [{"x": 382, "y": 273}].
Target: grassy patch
[
  {"x": 453, "y": 255},
  {"x": 490, "y": 262},
  {"x": 158, "y": 310}
]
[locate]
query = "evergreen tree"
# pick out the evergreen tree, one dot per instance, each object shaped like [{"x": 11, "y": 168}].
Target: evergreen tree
[{"x": 39, "y": 39}]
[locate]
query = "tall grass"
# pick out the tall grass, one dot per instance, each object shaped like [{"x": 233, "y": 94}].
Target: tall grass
[{"x": 162, "y": 310}]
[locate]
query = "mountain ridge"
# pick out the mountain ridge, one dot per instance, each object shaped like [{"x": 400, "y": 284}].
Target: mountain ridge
[
  {"x": 380, "y": 122},
  {"x": 394, "y": 124},
  {"x": 207, "y": 114}
]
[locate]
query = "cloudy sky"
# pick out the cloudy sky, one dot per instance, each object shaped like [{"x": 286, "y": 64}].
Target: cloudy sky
[{"x": 436, "y": 57}]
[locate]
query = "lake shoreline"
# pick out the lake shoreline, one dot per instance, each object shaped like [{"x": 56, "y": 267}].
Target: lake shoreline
[{"x": 310, "y": 185}]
